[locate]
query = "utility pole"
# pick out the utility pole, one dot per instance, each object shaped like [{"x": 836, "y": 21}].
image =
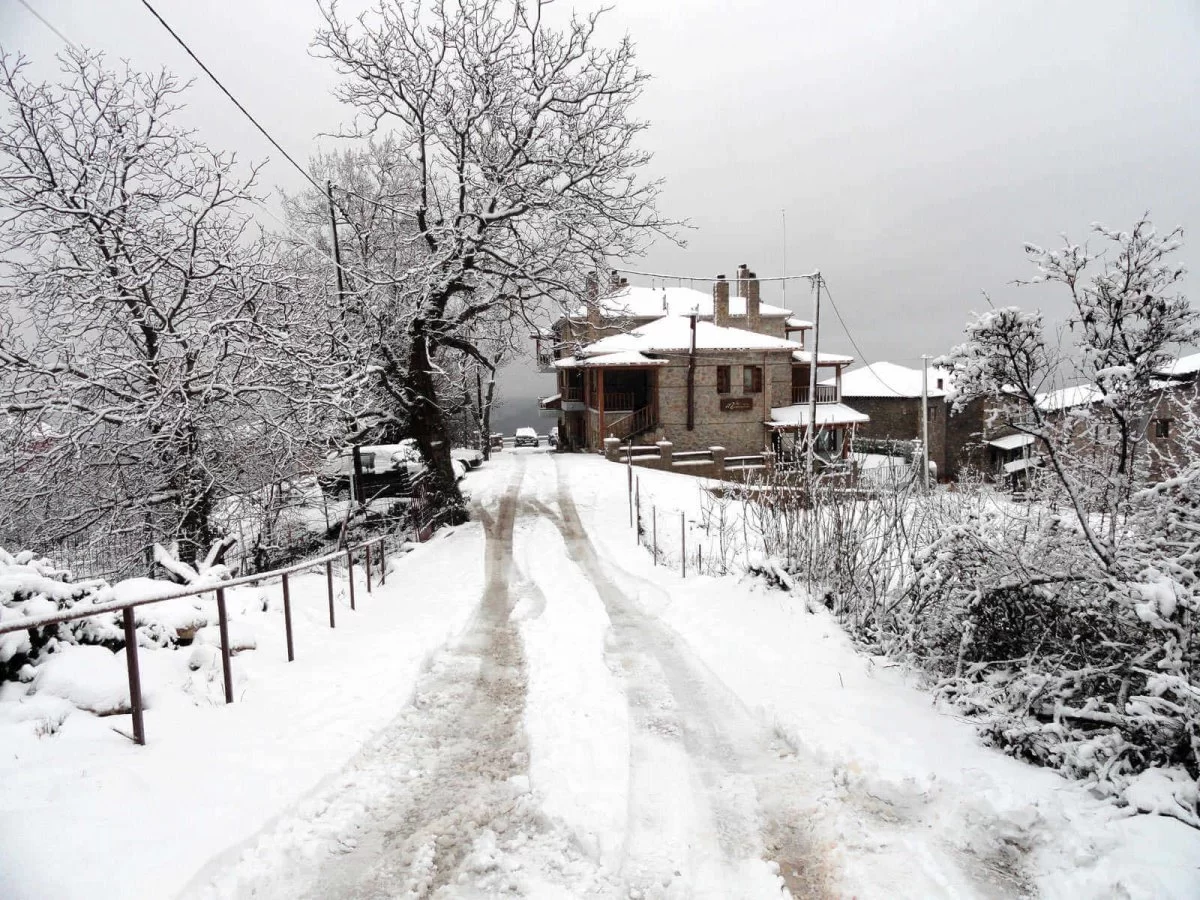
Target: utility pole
[
  {"x": 812, "y": 376},
  {"x": 691, "y": 378},
  {"x": 337, "y": 251},
  {"x": 925, "y": 420}
]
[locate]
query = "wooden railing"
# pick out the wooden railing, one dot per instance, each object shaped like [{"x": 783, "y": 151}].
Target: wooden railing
[
  {"x": 633, "y": 424},
  {"x": 614, "y": 402},
  {"x": 572, "y": 392},
  {"x": 826, "y": 393}
]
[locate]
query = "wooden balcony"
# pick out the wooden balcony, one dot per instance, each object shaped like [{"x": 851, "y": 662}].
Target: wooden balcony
[{"x": 826, "y": 393}]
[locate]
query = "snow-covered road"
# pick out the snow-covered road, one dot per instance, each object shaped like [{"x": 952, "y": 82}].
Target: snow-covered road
[
  {"x": 532, "y": 707},
  {"x": 570, "y": 744}
]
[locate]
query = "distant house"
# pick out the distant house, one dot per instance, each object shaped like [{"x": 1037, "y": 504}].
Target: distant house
[
  {"x": 1172, "y": 422},
  {"x": 698, "y": 369},
  {"x": 890, "y": 395}
]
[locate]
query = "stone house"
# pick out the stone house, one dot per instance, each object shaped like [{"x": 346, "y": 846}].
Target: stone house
[
  {"x": 698, "y": 370},
  {"x": 890, "y": 395}
]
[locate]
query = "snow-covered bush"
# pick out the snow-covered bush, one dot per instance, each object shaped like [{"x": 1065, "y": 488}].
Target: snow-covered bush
[
  {"x": 1066, "y": 624},
  {"x": 32, "y": 586}
]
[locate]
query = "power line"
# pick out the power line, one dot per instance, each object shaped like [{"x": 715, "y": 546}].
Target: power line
[
  {"x": 232, "y": 98},
  {"x": 704, "y": 278},
  {"x": 854, "y": 343},
  {"x": 66, "y": 40}
]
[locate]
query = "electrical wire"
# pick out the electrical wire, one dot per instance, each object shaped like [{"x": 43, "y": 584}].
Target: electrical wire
[
  {"x": 701, "y": 278},
  {"x": 854, "y": 343},
  {"x": 37, "y": 15},
  {"x": 232, "y": 98}
]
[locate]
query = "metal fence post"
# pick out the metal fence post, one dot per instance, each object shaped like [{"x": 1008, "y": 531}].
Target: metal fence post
[
  {"x": 329, "y": 585},
  {"x": 637, "y": 502},
  {"x": 682, "y": 546},
  {"x": 135, "y": 678},
  {"x": 350, "y": 574},
  {"x": 223, "y": 622},
  {"x": 383, "y": 560},
  {"x": 287, "y": 617},
  {"x": 368, "y": 551},
  {"x": 654, "y": 532}
]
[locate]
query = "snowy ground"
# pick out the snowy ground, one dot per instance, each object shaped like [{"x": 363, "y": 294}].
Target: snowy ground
[{"x": 532, "y": 708}]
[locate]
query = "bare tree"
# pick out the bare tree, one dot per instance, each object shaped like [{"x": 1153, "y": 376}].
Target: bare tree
[
  {"x": 148, "y": 363},
  {"x": 521, "y": 148}
]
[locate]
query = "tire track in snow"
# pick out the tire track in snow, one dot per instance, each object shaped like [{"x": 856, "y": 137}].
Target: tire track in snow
[
  {"x": 696, "y": 750},
  {"x": 439, "y": 801}
]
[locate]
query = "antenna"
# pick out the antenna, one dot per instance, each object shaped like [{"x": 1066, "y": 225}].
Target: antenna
[{"x": 783, "y": 213}]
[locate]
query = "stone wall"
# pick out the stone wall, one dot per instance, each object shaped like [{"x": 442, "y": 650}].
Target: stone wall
[
  {"x": 739, "y": 431},
  {"x": 899, "y": 419}
]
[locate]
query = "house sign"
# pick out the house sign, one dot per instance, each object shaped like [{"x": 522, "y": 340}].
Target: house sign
[{"x": 735, "y": 403}]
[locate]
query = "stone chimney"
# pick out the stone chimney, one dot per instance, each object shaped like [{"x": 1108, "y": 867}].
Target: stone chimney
[
  {"x": 593, "y": 302},
  {"x": 614, "y": 280},
  {"x": 721, "y": 301},
  {"x": 753, "y": 319},
  {"x": 743, "y": 275}
]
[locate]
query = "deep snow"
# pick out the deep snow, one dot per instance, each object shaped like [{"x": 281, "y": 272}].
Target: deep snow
[{"x": 532, "y": 707}]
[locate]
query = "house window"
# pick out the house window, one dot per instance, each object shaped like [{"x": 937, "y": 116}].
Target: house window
[
  {"x": 751, "y": 379},
  {"x": 1162, "y": 428},
  {"x": 722, "y": 379}
]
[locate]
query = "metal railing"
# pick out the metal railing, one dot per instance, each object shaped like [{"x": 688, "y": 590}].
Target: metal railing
[
  {"x": 826, "y": 393},
  {"x": 127, "y": 607}
]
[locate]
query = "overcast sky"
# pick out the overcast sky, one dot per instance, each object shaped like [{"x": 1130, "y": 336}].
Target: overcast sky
[{"x": 915, "y": 146}]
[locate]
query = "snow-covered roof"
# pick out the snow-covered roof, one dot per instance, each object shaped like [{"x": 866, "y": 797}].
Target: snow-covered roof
[
  {"x": 885, "y": 379},
  {"x": 621, "y": 358},
  {"x": 1012, "y": 441},
  {"x": 827, "y": 414},
  {"x": 1069, "y": 397},
  {"x": 1018, "y": 465},
  {"x": 635, "y": 302},
  {"x": 794, "y": 324},
  {"x": 674, "y": 333},
  {"x": 1185, "y": 365},
  {"x": 823, "y": 359}
]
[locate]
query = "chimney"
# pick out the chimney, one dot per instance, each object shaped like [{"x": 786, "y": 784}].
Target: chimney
[
  {"x": 614, "y": 280},
  {"x": 721, "y": 301},
  {"x": 753, "y": 319},
  {"x": 743, "y": 273},
  {"x": 593, "y": 302}
]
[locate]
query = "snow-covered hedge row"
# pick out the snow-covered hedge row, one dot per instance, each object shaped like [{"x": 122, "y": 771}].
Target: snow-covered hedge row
[
  {"x": 32, "y": 586},
  {"x": 1091, "y": 669}
]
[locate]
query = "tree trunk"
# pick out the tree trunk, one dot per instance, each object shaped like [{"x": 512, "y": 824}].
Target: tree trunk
[{"x": 427, "y": 423}]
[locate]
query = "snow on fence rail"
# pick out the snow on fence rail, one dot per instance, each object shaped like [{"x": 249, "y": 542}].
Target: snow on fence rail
[{"x": 126, "y": 607}]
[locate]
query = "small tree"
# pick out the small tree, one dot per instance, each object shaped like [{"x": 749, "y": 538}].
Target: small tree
[
  {"x": 520, "y": 144},
  {"x": 150, "y": 361}
]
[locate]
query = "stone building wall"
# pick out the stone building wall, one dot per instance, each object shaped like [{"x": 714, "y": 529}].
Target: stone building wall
[
  {"x": 899, "y": 419},
  {"x": 740, "y": 432}
]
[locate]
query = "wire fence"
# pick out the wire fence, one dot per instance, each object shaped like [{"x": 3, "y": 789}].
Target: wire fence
[{"x": 277, "y": 525}]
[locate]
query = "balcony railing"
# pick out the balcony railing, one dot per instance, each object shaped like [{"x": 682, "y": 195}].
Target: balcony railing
[
  {"x": 614, "y": 401},
  {"x": 826, "y": 393},
  {"x": 572, "y": 392}
]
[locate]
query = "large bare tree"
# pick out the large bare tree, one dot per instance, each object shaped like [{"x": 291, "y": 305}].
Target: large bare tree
[
  {"x": 149, "y": 354},
  {"x": 520, "y": 146}
]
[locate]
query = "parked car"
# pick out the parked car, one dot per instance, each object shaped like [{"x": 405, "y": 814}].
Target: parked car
[
  {"x": 526, "y": 437},
  {"x": 497, "y": 441},
  {"x": 552, "y": 440},
  {"x": 388, "y": 470}
]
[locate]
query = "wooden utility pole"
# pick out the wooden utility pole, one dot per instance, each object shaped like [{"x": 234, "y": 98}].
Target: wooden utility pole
[{"x": 337, "y": 251}]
